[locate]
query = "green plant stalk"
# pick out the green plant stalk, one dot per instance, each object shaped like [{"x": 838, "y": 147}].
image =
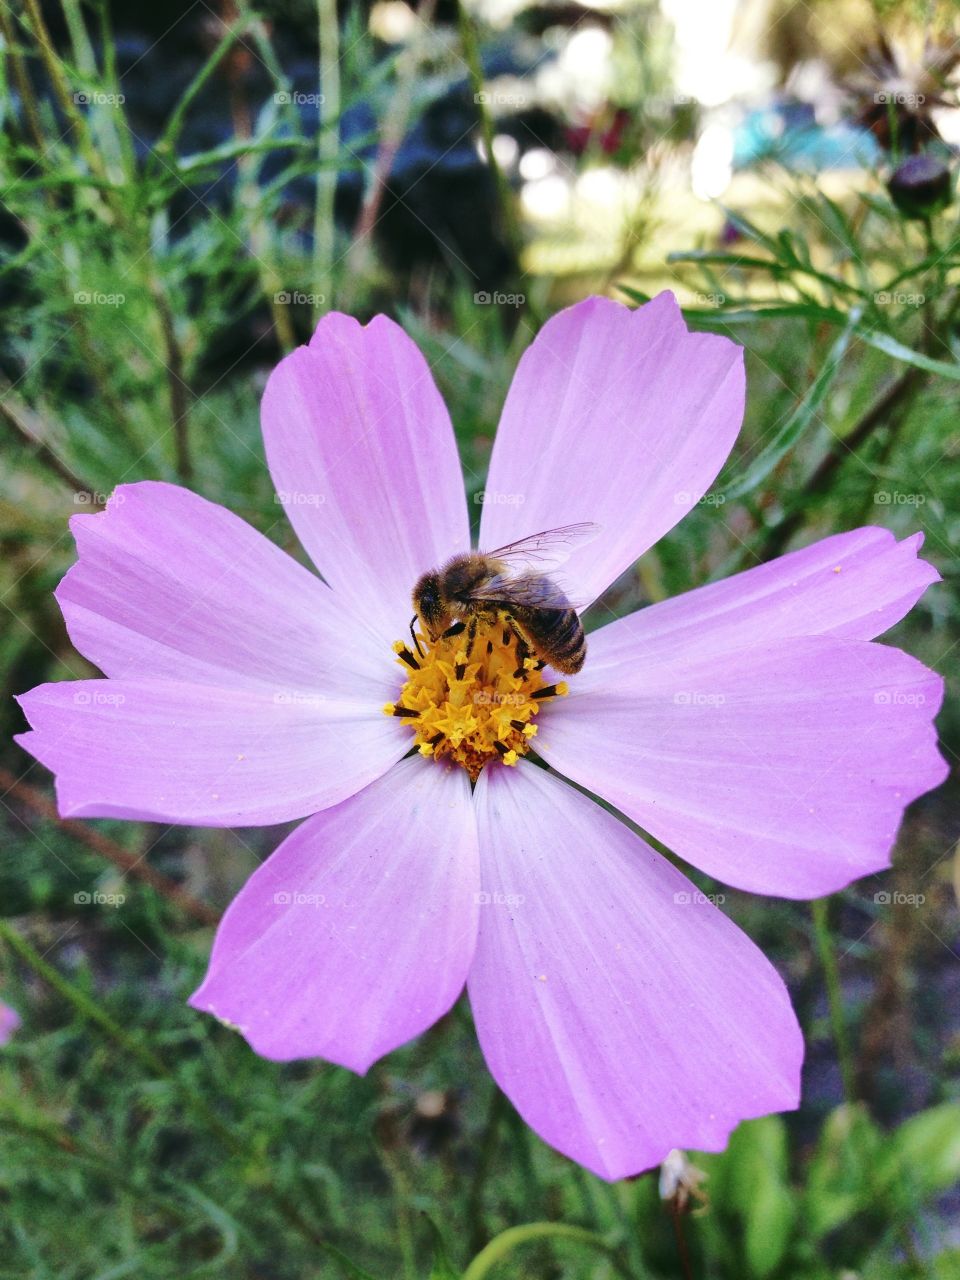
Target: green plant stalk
[
  {"x": 831, "y": 975},
  {"x": 176, "y": 380},
  {"x": 102, "y": 122},
  {"x": 328, "y": 146},
  {"x": 471, "y": 56},
  {"x": 91, "y": 1011},
  {"x": 514, "y": 1237},
  {"x": 24, "y": 87},
  {"x": 61, "y": 88},
  {"x": 167, "y": 141}
]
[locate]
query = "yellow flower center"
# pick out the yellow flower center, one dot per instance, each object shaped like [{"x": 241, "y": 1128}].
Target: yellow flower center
[{"x": 471, "y": 697}]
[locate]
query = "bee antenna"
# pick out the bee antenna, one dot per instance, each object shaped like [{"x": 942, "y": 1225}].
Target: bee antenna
[{"x": 416, "y": 640}]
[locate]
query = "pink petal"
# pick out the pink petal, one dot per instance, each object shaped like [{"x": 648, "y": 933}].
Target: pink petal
[
  {"x": 619, "y": 1010},
  {"x": 9, "y": 1022},
  {"x": 204, "y": 754},
  {"x": 780, "y": 769},
  {"x": 362, "y": 453},
  {"x": 356, "y": 935},
  {"x": 615, "y": 416},
  {"x": 169, "y": 586},
  {"x": 853, "y": 585}
]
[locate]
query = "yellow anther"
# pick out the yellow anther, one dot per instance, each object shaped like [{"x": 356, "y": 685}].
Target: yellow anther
[{"x": 467, "y": 705}]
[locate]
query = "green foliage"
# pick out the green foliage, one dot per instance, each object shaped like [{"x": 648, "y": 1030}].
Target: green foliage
[{"x": 138, "y": 1138}]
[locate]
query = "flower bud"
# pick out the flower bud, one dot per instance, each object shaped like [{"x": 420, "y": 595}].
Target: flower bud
[{"x": 921, "y": 186}]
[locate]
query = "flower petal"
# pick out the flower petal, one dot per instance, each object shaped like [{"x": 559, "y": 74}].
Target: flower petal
[
  {"x": 356, "y": 935},
  {"x": 363, "y": 455},
  {"x": 615, "y": 416},
  {"x": 781, "y": 769},
  {"x": 853, "y": 585},
  {"x": 170, "y": 586},
  {"x": 620, "y": 1011},
  {"x": 203, "y": 754},
  {"x": 9, "y": 1022}
]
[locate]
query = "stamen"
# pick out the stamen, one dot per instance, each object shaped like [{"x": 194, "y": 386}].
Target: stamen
[
  {"x": 404, "y": 654},
  {"x": 471, "y": 701},
  {"x": 552, "y": 691}
]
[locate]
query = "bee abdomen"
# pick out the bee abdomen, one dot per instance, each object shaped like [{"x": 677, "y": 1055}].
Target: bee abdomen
[{"x": 560, "y": 639}]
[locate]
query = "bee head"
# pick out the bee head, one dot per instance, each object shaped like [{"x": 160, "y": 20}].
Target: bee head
[{"x": 429, "y": 604}]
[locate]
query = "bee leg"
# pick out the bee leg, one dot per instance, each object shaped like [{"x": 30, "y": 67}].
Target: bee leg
[
  {"x": 416, "y": 640},
  {"x": 471, "y": 635},
  {"x": 523, "y": 648},
  {"x": 454, "y": 630}
]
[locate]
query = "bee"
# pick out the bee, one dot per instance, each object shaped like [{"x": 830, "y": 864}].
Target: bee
[{"x": 510, "y": 585}]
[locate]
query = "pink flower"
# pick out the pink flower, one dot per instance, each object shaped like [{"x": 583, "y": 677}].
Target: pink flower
[
  {"x": 9, "y": 1022},
  {"x": 749, "y": 725}
]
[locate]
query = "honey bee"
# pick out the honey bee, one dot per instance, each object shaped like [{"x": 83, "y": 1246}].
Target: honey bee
[{"x": 510, "y": 585}]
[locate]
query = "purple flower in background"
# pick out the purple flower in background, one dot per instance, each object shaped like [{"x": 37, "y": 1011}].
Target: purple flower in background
[
  {"x": 9, "y": 1022},
  {"x": 749, "y": 725}
]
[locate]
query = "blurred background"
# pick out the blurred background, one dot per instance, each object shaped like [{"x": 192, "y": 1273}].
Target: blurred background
[{"x": 184, "y": 189}]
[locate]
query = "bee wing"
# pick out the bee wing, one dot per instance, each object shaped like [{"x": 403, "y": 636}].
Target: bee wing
[
  {"x": 535, "y": 590},
  {"x": 541, "y": 552}
]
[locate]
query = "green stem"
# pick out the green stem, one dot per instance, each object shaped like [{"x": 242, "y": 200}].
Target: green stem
[
  {"x": 831, "y": 975},
  {"x": 91, "y": 1011},
  {"x": 471, "y": 56},
  {"x": 328, "y": 145},
  {"x": 507, "y": 1241},
  {"x": 54, "y": 69}
]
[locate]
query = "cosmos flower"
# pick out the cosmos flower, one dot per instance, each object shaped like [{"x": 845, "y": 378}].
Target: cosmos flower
[
  {"x": 750, "y": 726},
  {"x": 9, "y": 1022}
]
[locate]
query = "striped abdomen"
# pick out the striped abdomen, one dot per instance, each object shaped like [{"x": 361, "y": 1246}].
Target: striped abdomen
[{"x": 556, "y": 635}]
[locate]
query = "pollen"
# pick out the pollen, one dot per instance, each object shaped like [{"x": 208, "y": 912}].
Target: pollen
[{"x": 471, "y": 697}]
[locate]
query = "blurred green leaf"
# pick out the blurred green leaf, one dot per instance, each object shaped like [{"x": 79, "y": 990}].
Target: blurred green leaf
[
  {"x": 799, "y": 420},
  {"x": 924, "y": 1154}
]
